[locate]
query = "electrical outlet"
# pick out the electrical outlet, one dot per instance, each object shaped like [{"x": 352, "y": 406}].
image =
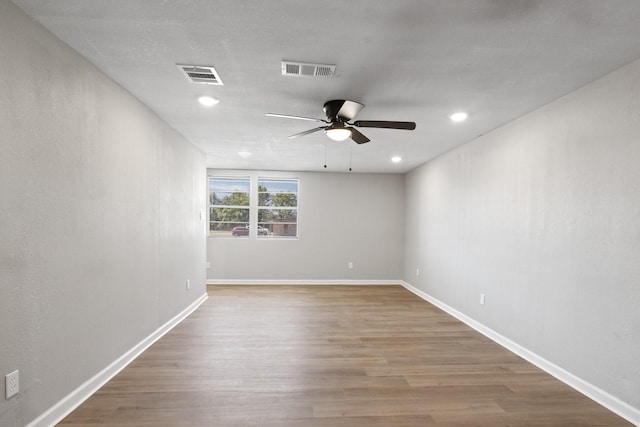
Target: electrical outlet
[
  {"x": 12, "y": 383},
  {"x": 208, "y": 264},
  {"x": 188, "y": 285},
  {"x": 350, "y": 264}
]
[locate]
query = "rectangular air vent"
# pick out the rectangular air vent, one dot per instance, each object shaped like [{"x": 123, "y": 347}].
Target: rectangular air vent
[
  {"x": 303, "y": 69},
  {"x": 202, "y": 74}
]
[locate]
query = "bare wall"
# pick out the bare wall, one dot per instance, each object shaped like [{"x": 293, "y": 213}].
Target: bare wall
[
  {"x": 541, "y": 216},
  {"x": 100, "y": 224},
  {"x": 343, "y": 217}
]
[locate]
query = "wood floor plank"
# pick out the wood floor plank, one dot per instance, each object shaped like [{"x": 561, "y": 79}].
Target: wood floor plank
[{"x": 331, "y": 356}]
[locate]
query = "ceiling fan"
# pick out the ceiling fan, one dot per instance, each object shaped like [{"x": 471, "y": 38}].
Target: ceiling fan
[{"x": 339, "y": 127}]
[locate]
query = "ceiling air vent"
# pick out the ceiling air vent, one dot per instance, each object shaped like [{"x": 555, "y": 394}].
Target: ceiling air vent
[
  {"x": 202, "y": 74},
  {"x": 303, "y": 69}
]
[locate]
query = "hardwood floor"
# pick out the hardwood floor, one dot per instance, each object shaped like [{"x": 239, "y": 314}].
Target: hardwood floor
[{"x": 331, "y": 356}]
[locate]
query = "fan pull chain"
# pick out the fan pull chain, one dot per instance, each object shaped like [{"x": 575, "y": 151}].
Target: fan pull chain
[
  {"x": 350, "y": 151},
  {"x": 325, "y": 155}
]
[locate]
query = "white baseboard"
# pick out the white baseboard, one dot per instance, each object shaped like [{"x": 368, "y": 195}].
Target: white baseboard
[
  {"x": 596, "y": 394},
  {"x": 302, "y": 282},
  {"x": 64, "y": 407}
]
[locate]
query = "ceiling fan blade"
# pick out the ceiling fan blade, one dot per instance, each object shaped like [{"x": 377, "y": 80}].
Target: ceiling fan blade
[
  {"x": 307, "y": 132},
  {"x": 358, "y": 137},
  {"x": 385, "y": 124},
  {"x": 286, "y": 116}
]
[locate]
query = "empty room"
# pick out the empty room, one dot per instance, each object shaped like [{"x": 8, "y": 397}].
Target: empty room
[{"x": 339, "y": 213}]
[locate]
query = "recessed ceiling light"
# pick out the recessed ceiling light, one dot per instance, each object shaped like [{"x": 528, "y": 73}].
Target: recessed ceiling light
[
  {"x": 244, "y": 154},
  {"x": 208, "y": 101},
  {"x": 396, "y": 159},
  {"x": 460, "y": 116}
]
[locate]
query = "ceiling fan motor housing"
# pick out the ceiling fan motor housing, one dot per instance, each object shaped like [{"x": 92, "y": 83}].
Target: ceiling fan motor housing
[{"x": 341, "y": 110}]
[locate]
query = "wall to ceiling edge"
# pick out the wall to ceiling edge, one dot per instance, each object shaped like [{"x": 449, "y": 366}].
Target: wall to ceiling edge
[
  {"x": 100, "y": 226},
  {"x": 541, "y": 216}
]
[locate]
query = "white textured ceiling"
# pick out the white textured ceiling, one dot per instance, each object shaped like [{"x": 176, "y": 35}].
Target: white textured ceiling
[{"x": 406, "y": 60}]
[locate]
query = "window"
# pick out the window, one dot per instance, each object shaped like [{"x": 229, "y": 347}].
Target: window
[
  {"x": 233, "y": 210},
  {"x": 277, "y": 207},
  {"x": 229, "y": 206}
]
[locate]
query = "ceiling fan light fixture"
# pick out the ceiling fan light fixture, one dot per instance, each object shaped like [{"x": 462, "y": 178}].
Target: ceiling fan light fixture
[{"x": 338, "y": 133}]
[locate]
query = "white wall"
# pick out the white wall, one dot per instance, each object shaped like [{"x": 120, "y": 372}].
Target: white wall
[
  {"x": 542, "y": 216},
  {"x": 342, "y": 217},
  {"x": 99, "y": 219}
]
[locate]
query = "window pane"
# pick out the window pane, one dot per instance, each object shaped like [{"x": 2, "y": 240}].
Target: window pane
[
  {"x": 230, "y": 215},
  {"x": 229, "y": 185},
  {"x": 277, "y": 207},
  {"x": 277, "y": 229},
  {"x": 230, "y": 199},
  {"x": 277, "y": 192},
  {"x": 284, "y": 199},
  {"x": 277, "y": 215},
  {"x": 229, "y": 206},
  {"x": 278, "y": 185},
  {"x": 278, "y": 222}
]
